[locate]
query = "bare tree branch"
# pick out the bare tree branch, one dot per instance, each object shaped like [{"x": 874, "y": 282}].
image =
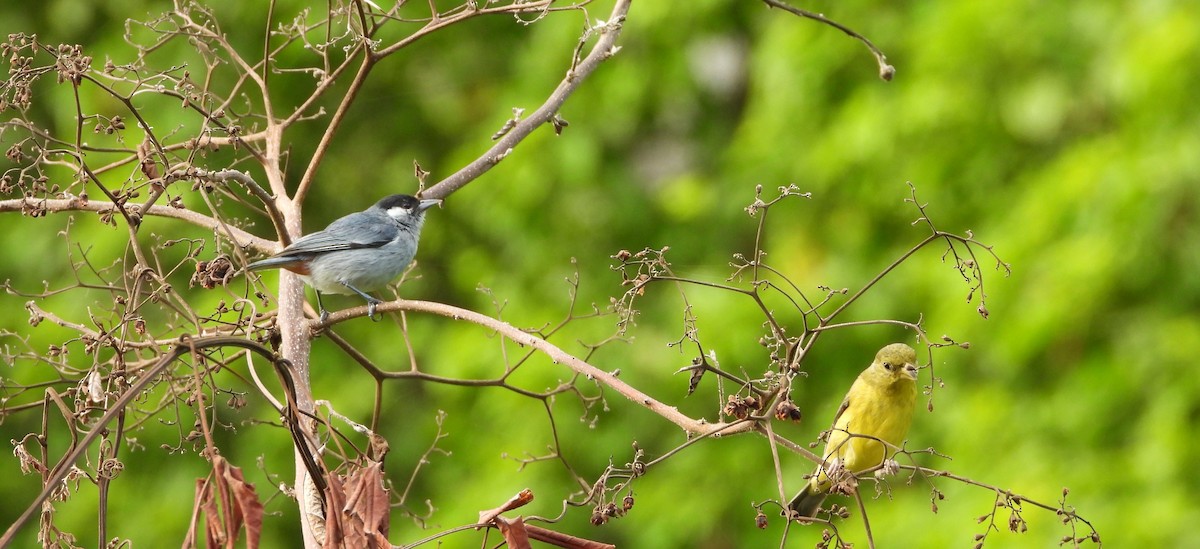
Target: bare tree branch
[{"x": 670, "y": 413}]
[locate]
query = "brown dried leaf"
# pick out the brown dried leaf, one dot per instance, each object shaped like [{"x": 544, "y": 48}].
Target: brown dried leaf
[
  {"x": 335, "y": 498},
  {"x": 145, "y": 151},
  {"x": 514, "y": 532},
  {"x": 367, "y": 499},
  {"x": 521, "y": 499},
  {"x": 379, "y": 446},
  {"x": 242, "y": 501},
  {"x": 359, "y": 510},
  {"x": 206, "y": 504},
  {"x": 232, "y": 505}
]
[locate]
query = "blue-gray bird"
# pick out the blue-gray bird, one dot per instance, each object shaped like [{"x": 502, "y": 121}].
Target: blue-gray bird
[{"x": 358, "y": 253}]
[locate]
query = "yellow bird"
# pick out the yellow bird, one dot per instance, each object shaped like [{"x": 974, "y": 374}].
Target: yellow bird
[{"x": 878, "y": 407}]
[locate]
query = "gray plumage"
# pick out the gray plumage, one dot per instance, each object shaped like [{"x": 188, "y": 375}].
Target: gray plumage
[{"x": 358, "y": 253}]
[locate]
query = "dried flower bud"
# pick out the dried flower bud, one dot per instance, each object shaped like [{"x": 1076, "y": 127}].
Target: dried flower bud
[{"x": 787, "y": 410}]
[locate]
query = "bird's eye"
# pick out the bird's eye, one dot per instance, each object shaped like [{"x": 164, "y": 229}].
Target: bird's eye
[{"x": 887, "y": 366}]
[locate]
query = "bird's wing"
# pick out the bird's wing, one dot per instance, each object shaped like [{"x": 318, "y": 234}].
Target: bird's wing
[
  {"x": 841, "y": 410},
  {"x": 339, "y": 236},
  {"x": 838, "y": 441}
]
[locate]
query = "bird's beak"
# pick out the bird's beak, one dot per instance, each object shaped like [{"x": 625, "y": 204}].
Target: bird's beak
[
  {"x": 429, "y": 203},
  {"x": 910, "y": 370}
]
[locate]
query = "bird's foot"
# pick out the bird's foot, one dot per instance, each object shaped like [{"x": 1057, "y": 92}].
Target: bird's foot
[
  {"x": 371, "y": 303},
  {"x": 371, "y": 300}
]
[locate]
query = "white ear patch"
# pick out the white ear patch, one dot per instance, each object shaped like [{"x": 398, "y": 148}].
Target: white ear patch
[{"x": 398, "y": 212}]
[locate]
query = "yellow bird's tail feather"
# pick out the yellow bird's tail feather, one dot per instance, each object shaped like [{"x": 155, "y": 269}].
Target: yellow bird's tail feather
[{"x": 807, "y": 501}]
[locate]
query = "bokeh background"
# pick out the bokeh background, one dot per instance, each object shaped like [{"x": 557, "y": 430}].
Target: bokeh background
[{"x": 1067, "y": 135}]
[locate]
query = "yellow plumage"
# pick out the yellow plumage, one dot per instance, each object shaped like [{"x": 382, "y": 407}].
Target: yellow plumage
[{"x": 879, "y": 406}]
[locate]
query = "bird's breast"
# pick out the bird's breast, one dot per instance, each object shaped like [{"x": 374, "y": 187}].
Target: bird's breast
[{"x": 367, "y": 269}]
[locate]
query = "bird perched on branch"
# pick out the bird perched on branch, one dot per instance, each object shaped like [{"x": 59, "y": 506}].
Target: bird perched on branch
[
  {"x": 358, "y": 253},
  {"x": 879, "y": 407}
]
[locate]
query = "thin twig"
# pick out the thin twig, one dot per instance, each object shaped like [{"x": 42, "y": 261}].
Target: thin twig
[
  {"x": 604, "y": 49},
  {"x": 886, "y": 71},
  {"x": 58, "y": 205}
]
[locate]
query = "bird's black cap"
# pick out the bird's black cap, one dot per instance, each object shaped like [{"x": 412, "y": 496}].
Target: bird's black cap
[{"x": 405, "y": 201}]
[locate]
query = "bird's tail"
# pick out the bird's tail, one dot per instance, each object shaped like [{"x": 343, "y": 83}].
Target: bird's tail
[
  {"x": 807, "y": 501},
  {"x": 273, "y": 263}
]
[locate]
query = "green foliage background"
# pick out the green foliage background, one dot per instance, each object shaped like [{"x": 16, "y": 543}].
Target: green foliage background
[{"x": 1063, "y": 133}]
